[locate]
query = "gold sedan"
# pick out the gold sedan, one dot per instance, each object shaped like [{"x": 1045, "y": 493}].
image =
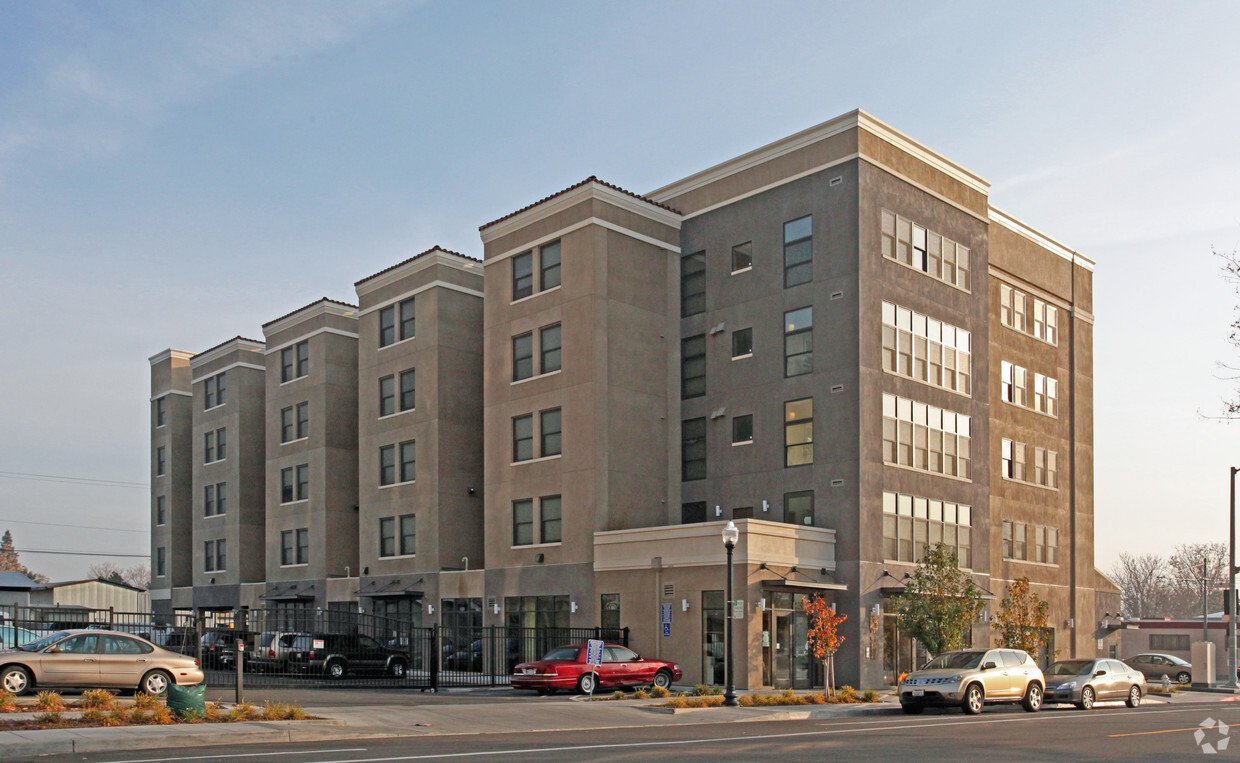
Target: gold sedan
[{"x": 90, "y": 659}]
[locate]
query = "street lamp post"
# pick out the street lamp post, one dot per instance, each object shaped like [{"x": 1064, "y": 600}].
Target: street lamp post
[{"x": 730, "y": 536}]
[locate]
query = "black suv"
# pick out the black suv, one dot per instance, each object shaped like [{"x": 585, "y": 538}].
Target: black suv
[{"x": 336, "y": 655}]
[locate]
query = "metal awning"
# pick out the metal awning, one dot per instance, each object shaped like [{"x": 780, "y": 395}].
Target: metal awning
[
  {"x": 390, "y": 588},
  {"x": 289, "y": 592},
  {"x": 800, "y": 585}
]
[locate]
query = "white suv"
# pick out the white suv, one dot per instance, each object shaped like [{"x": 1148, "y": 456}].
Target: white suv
[{"x": 972, "y": 678}]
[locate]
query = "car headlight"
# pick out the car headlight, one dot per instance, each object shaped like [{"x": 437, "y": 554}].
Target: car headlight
[
  {"x": 956, "y": 679},
  {"x": 1068, "y": 685}
]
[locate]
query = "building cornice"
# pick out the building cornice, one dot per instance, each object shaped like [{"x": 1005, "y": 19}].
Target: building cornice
[
  {"x": 420, "y": 289},
  {"x": 585, "y": 191},
  {"x": 271, "y": 350},
  {"x": 220, "y": 350},
  {"x": 1039, "y": 238},
  {"x": 313, "y": 310},
  {"x": 170, "y": 354},
  {"x": 436, "y": 255}
]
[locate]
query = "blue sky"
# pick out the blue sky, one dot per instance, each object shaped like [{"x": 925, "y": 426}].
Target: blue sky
[{"x": 176, "y": 174}]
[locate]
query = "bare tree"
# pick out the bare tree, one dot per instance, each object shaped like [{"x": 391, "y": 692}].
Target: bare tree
[
  {"x": 1229, "y": 371},
  {"x": 138, "y": 576},
  {"x": 1186, "y": 565},
  {"x": 1145, "y": 585}
]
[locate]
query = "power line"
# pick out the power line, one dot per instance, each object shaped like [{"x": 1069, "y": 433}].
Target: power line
[
  {"x": 73, "y": 480},
  {"x": 77, "y": 527},
  {"x": 77, "y": 553}
]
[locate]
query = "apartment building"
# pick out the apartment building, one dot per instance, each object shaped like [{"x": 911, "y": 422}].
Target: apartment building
[
  {"x": 834, "y": 341},
  {"x": 172, "y": 477}
]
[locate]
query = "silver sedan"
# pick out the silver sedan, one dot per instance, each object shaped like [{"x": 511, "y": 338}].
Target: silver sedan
[
  {"x": 90, "y": 659},
  {"x": 1084, "y": 682}
]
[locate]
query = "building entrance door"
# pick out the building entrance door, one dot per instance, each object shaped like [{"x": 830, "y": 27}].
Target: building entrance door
[
  {"x": 789, "y": 665},
  {"x": 899, "y": 651}
]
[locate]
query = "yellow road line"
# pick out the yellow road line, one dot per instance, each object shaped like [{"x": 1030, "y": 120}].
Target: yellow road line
[{"x": 1143, "y": 733}]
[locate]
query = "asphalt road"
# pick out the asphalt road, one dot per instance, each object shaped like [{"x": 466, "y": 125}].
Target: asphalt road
[{"x": 1148, "y": 733}]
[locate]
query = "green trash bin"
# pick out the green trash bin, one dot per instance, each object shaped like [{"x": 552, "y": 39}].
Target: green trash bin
[{"x": 187, "y": 700}]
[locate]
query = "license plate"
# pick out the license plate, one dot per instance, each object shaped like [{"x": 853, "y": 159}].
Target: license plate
[
  {"x": 918, "y": 692},
  {"x": 530, "y": 671}
]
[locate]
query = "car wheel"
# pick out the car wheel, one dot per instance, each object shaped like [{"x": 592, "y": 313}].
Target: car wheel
[
  {"x": 912, "y": 709},
  {"x": 974, "y": 699},
  {"x": 587, "y": 683},
  {"x": 663, "y": 679},
  {"x": 1134, "y": 697},
  {"x": 335, "y": 669},
  {"x": 397, "y": 669},
  {"x": 15, "y": 680},
  {"x": 1183, "y": 677},
  {"x": 155, "y": 683},
  {"x": 1033, "y": 698},
  {"x": 1087, "y": 698}
]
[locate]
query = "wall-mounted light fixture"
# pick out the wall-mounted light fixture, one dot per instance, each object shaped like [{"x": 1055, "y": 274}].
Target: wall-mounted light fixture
[
  {"x": 430, "y": 609},
  {"x": 572, "y": 606},
  {"x": 718, "y": 511},
  {"x": 766, "y": 505},
  {"x": 684, "y": 605}
]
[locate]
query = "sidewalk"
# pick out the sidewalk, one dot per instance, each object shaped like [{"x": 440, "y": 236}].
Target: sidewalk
[{"x": 336, "y": 723}]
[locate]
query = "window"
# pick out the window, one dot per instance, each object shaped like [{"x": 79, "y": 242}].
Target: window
[
  {"x": 287, "y": 550},
  {"x": 161, "y": 412},
  {"x": 742, "y": 429},
  {"x": 742, "y": 512},
  {"x": 387, "y": 536},
  {"x": 160, "y": 461},
  {"x": 549, "y": 432},
  {"x": 408, "y": 534},
  {"x": 161, "y": 510},
  {"x": 693, "y": 449},
  {"x": 387, "y": 326},
  {"x": 549, "y": 519},
  {"x": 408, "y": 389},
  {"x": 1015, "y": 464},
  {"x": 692, "y": 284},
  {"x": 295, "y": 361},
  {"x": 798, "y": 251},
  {"x": 928, "y": 350},
  {"x": 295, "y": 422},
  {"x": 799, "y": 341},
  {"x": 549, "y": 266},
  {"x": 693, "y": 512},
  {"x": 693, "y": 366},
  {"x": 523, "y": 522},
  {"x": 287, "y": 424},
  {"x": 549, "y": 349},
  {"x": 742, "y": 256},
  {"x": 408, "y": 461},
  {"x": 1176, "y": 642},
  {"x": 609, "y": 613},
  {"x": 294, "y": 483},
  {"x": 1028, "y": 315},
  {"x": 926, "y": 437},
  {"x": 742, "y": 343},
  {"x": 522, "y": 357},
  {"x": 161, "y": 562},
  {"x": 912, "y": 524},
  {"x": 407, "y": 322},
  {"x": 1045, "y": 545},
  {"x": 522, "y": 276},
  {"x": 799, "y": 432},
  {"x": 215, "y": 499},
  {"x": 388, "y": 333},
  {"x": 213, "y": 391},
  {"x": 523, "y": 437},
  {"x": 799, "y": 508},
  {"x": 388, "y": 454},
  {"x": 214, "y": 446},
  {"x": 215, "y": 556},
  {"x": 921, "y": 249}
]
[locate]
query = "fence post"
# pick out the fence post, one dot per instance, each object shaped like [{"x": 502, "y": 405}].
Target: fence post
[
  {"x": 434, "y": 647},
  {"x": 200, "y": 630},
  {"x": 626, "y": 635}
]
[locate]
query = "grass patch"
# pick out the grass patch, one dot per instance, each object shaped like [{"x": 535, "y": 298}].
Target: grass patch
[{"x": 845, "y": 695}]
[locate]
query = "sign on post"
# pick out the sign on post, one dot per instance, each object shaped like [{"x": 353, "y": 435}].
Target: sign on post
[
  {"x": 594, "y": 657},
  {"x": 738, "y": 609},
  {"x": 665, "y": 619}
]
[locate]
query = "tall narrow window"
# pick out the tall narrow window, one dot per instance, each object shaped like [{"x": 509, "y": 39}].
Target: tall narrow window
[
  {"x": 523, "y": 437},
  {"x": 303, "y": 546},
  {"x": 522, "y": 275},
  {"x": 286, "y": 485},
  {"x": 692, "y": 284},
  {"x": 549, "y": 266},
  {"x": 522, "y": 357},
  {"x": 387, "y": 536},
  {"x": 549, "y": 433},
  {"x": 287, "y": 424},
  {"x": 160, "y": 461},
  {"x": 407, "y": 390},
  {"x": 208, "y": 501},
  {"x": 742, "y": 256},
  {"x": 408, "y": 461},
  {"x": 799, "y": 432},
  {"x": 693, "y": 449},
  {"x": 387, "y": 395},
  {"x": 407, "y": 319},
  {"x": 798, "y": 341},
  {"x": 523, "y": 522},
  {"x": 549, "y": 519},
  {"x": 387, "y": 465},
  {"x": 408, "y": 534},
  {"x": 161, "y": 510},
  {"x": 286, "y": 547},
  {"x": 549, "y": 349},
  {"x": 303, "y": 420},
  {"x": 798, "y": 251},
  {"x": 387, "y": 326},
  {"x": 303, "y": 482},
  {"x": 161, "y": 411},
  {"x": 693, "y": 366},
  {"x": 161, "y": 562}
]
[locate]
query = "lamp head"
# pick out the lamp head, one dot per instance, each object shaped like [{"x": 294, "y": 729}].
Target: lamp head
[{"x": 731, "y": 534}]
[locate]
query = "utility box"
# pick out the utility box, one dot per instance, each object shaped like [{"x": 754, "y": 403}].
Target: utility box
[{"x": 1203, "y": 664}]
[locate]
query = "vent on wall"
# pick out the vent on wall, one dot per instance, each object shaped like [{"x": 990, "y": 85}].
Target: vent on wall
[
  {"x": 837, "y": 388},
  {"x": 837, "y": 295},
  {"x": 837, "y": 483},
  {"x": 669, "y": 590},
  {"x": 836, "y": 180}
]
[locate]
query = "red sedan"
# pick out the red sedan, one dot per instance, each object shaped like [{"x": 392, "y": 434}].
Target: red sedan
[{"x": 566, "y": 668}]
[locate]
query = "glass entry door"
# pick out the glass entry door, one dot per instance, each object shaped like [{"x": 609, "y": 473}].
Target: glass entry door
[{"x": 788, "y": 662}]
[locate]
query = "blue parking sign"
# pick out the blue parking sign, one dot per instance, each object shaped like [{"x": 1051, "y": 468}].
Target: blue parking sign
[{"x": 665, "y": 617}]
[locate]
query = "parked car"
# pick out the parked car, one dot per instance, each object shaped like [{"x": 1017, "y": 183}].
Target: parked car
[
  {"x": 973, "y": 678},
  {"x": 1155, "y": 666},
  {"x": 273, "y": 651},
  {"x": 1084, "y": 682},
  {"x": 182, "y": 640},
  {"x": 92, "y": 659},
  {"x": 465, "y": 658},
  {"x": 566, "y": 668},
  {"x": 219, "y": 647},
  {"x": 11, "y": 636},
  {"x": 336, "y": 655}
]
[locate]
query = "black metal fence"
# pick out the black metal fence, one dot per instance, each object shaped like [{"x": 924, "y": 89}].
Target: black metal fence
[{"x": 308, "y": 648}]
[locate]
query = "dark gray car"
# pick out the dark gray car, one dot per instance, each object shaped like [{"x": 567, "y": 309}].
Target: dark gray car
[
  {"x": 1084, "y": 682},
  {"x": 1155, "y": 666}
]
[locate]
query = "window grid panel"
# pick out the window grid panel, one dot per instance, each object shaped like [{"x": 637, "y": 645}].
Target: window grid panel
[{"x": 926, "y": 438}]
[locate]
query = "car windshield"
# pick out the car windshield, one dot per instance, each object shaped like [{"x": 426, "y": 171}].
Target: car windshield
[
  {"x": 44, "y": 642},
  {"x": 951, "y": 660},
  {"x": 1176, "y": 660},
  {"x": 563, "y": 654},
  {"x": 1069, "y": 668}
]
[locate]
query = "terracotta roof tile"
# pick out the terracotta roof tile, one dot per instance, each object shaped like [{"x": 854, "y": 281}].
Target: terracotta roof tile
[
  {"x": 591, "y": 179},
  {"x": 433, "y": 249},
  {"x": 312, "y": 304}
]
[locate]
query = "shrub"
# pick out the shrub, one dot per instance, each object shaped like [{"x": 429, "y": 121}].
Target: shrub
[
  {"x": 118, "y": 716},
  {"x": 214, "y": 712},
  {"x": 100, "y": 699},
  {"x": 869, "y": 695},
  {"x": 144, "y": 701},
  {"x": 706, "y": 690},
  {"x": 849, "y": 695},
  {"x": 137, "y": 717},
  {"x": 8, "y": 702},
  {"x": 659, "y": 692},
  {"x": 94, "y": 715},
  {"x": 617, "y": 694},
  {"x": 50, "y": 718},
  {"x": 281, "y": 711},
  {"x": 163, "y": 716},
  {"x": 241, "y": 711},
  {"x": 49, "y": 700},
  {"x": 192, "y": 715}
]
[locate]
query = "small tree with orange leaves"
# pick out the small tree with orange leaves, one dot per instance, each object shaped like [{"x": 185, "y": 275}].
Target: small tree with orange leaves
[{"x": 824, "y": 637}]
